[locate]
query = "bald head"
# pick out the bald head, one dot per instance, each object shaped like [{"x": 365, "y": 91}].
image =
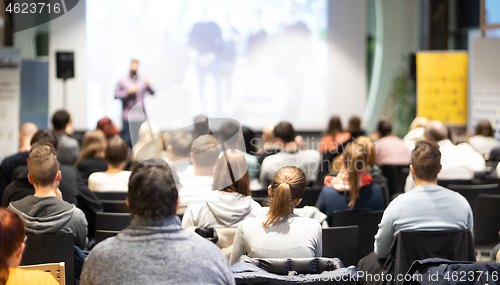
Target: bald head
[
  {"x": 268, "y": 134},
  {"x": 435, "y": 131},
  {"x": 25, "y": 134}
]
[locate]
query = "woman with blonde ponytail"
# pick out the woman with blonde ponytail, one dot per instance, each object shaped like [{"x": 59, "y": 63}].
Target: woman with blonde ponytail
[
  {"x": 352, "y": 188},
  {"x": 280, "y": 234}
]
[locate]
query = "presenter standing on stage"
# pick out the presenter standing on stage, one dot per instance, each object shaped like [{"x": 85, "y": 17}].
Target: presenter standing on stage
[{"x": 132, "y": 89}]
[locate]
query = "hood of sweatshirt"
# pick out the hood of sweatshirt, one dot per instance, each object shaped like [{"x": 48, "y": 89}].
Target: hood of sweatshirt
[
  {"x": 43, "y": 214},
  {"x": 228, "y": 208}
]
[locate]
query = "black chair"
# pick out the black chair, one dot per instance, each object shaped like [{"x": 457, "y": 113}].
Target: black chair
[
  {"x": 367, "y": 221},
  {"x": 112, "y": 221},
  {"x": 51, "y": 248},
  {"x": 260, "y": 193},
  {"x": 111, "y": 195},
  {"x": 470, "y": 192},
  {"x": 446, "y": 183},
  {"x": 114, "y": 206},
  {"x": 393, "y": 173},
  {"x": 487, "y": 222},
  {"x": 310, "y": 196},
  {"x": 342, "y": 243},
  {"x": 101, "y": 235},
  {"x": 381, "y": 181}
]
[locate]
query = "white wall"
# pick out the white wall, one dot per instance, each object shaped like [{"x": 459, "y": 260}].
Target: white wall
[{"x": 68, "y": 33}]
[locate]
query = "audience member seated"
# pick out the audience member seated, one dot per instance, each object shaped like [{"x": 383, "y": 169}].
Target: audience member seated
[
  {"x": 9, "y": 164},
  {"x": 428, "y": 207},
  {"x": 455, "y": 164},
  {"x": 204, "y": 154},
  {"x": 154, "y": 249},
  {"x": 354, "y": 127},
  {"x": 91, "y": 158},
  {"x": 290, "y": 155},
  {"x": 250, "y": 141},
  {"x": 107, "y": 127},
  {"x": 73, "y": 190},
  {"x": 228, "y": 131},
  {"x": 229, "y": 203},
  {"x": 352, "y": 188},
  {"x": 180, "y": 150},
  {"x": 200, "y": 126},
  {"x": 484, "y": 141},
  {"x": 115, "y": 178},
  {"x": 68, "y": 147},
  {"x": 270, "y": 145},
  {"x": 390, "y": 149},
  {"x": 46, "y": 212},
  {"x": 333, "y": 136},
  {"x": 477, "y": 162},
  {"x": 12, "y": 244},
  {"x": 148, "y": 144},
  {"x": 371, "y": 155},
  {"x": 280, "y": 234},
  {"x": 416, "y": 133}
]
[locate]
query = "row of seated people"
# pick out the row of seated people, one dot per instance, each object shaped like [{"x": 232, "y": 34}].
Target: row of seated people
[{"x": 155, "y": 237}]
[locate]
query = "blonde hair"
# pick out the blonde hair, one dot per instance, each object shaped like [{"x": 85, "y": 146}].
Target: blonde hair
[
  {"x": 93, "y": 142},
  {"x": 370, "y": 149},
  {"x": 354, "y": 159},
  {"x": 419, "y": 122}
]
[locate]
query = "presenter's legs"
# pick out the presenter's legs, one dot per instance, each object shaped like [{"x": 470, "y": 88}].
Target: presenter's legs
[
  {"x": 130, "y": 132},
  {"x": 125, "y": 133}
]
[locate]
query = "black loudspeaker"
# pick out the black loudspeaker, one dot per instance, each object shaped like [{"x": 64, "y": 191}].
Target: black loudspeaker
[{"x": 65, "y": 66}]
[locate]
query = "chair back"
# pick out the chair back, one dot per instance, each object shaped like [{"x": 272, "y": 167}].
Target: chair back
[
  {"x": 470, "y": 192},
  {"x": 55, "y": 269},
  {"x": 114, "y": 206},
  {"x": 382, "y": 181},
  {"x": 446, "y": 183},
  {"x": 111, "y": 195},
  {"x": 310, "y": 196},
  {"x": 51, "y": 248},
  {"x": 101, "y": 235},
  {"x": 112, "y": 221},
  {"x": 487, "y": 221},
  {"x": 367, "y": 221},
  {"x": 394, "y": 174},
  {"x": 342, "y": 243}
]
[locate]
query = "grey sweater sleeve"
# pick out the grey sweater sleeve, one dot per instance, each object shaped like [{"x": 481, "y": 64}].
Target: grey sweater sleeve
[
  {"x": 238, "y": 246},
  {"x": 78, "y": 224}
]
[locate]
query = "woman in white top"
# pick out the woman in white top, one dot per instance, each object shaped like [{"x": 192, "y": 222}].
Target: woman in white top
[
  {"x": 115, "y": 179},
  {"x": 280, "y": 234},
  {"x": 484, "y": 141},
  {"x": 230, "y": 202}
]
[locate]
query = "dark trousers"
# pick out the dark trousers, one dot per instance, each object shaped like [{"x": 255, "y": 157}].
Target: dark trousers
[{"x": 130, "y": 137}]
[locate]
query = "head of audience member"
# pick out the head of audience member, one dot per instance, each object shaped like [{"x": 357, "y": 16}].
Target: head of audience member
[
  {"x": 93, "y": 145},
  {"x": 354, "y": 160},
  {"x": 354, "y": 125},
  {"x": 12, "y": 242},
  {"x": 62, "y": 122},
  {"x": 268, "y": 135},
  {"x": 435, "y": 131},
  {"x": 229, "y": 135},
  {"x": 204, "y": 154},
  {"x": 231, "y": 173},
  {"x": 152, "y": 192},
  {"x": 116, "y": 153},
  {"x": 26, "y": 133},
  {"x": 148, "y": 143},
  {"x": 200, "y": 126},
  {"x": 284, "y": 133},
  {"x": 334, "y": 126},
  {"x": 108, "y": 127},
  {"x": 248, "y": 138},
  {"x": 483, "y": 128},
  {"x": 419, "y": 122},
  {"x": 134, "y": 66},
  {"x": 43, "y": 169},
  {"x": 369, "y": 146},
  {"x": 180, "y": 145},
  {"x": 384, "y": 127},
  {"x": 425, "y": 163},
  {"x": 44, "y": 136},
  {"x": 285, "y": 192}
]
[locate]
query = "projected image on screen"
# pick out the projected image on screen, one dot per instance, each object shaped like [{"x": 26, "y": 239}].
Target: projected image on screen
[{"x": 258, "y": 62}]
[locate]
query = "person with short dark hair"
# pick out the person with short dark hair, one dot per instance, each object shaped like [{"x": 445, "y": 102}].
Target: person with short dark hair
[
  {"x": 115, "y": 179},
  {"x": 180, "y": 151},
  {"x": 205, "y": 152},
  {"x": 333, "y": 136},
  {"x": 46, "y": 212},
  {"x": 354, "y": 127},
  {"x": 484, "y": 141},
  {"x": 68, "y": 148},
  {"x": 155, "y": 249},
  {"x": 290, "y": 154},
  {"x": 428, "y": 207},
  {"x": 390, "y": 149},
  {"x": 230, "y": 202}
]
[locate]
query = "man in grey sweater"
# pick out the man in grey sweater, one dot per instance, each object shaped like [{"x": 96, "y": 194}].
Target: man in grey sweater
[{"x": 154, "y": 249}]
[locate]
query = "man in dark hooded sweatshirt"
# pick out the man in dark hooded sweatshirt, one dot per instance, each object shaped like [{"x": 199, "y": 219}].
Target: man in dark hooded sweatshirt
[{"x": 46, "y": 212}]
